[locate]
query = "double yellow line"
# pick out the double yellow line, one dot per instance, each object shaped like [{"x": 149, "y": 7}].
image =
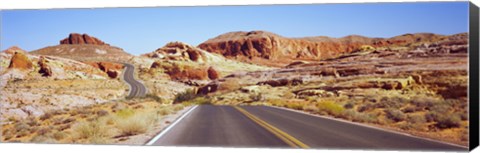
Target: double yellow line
[{"x": 277, "y": 132}]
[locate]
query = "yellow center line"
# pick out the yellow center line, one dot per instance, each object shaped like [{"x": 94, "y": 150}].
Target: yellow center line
[{"x": 290, "y": 140}]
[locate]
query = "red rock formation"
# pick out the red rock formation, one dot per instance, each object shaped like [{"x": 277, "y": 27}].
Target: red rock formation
[
  {"x": 20, "y": 61},
  {"x": 45, "y": 70},
  {"x": 75, "y": 38},
  {"x": 267, "y": 45},
  {"x": 108, "y": 67}
]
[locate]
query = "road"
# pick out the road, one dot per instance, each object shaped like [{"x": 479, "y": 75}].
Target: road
[
  {"x": 263, "y": 126},
  {"x": 137, "y": 89}
]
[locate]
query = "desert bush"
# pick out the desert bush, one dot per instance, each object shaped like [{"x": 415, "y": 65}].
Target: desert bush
[
  {"x": 164, "y": 111},
  {"x": 200, "y": 101},
  {"x": 154, "y": 97},
  {"x": 256, "y": 97},
  {"x": 59, "y": 136},
  {"x": 365, "y": 107},
  {"x": 124, "y": 113},
  {"x": 448, "y": 121},
  {"x": 395, "y": 115},
  {"x": 102, "y": 112},
  {"x": 440, "y": 108},
  {"x": 408, "y": 109},
  {"x": 424, "y": 101},
  {"x": 310, "y": 108},
  {"x": 91, "y": 131},
  {"x": 355, "y": 116},
  {"x": 330, "y": 107},
  {"x": 46, "y": 116},
  {"x": 394, "y": 102},
  {"x": 184, "y": 96},
  {"x": 414, "y": 119},
  {"x": 349, "y": 105},
  {"x": 139, "y": 123},
  {"x": 294, "y": 105},
  {"x": 178, "y": 107},
  {"x": 43, "y": 139}
]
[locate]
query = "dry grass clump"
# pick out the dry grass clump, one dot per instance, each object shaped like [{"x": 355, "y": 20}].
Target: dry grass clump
[
  {"x": 137, "y": 123},
  {"x": 92, "y": 132},
  {"x": 330, "y": 107}
]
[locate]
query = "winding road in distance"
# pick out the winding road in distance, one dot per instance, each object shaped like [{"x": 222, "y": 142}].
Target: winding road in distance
[
  {"x": 137, "y": 89},
  {"x": 264, "y": 126}
]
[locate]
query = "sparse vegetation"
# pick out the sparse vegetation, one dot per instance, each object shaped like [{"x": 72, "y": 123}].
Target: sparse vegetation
[{"x": 185, "y": 96}]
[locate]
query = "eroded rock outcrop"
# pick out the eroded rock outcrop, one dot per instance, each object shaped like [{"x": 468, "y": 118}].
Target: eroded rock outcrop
[
  {"x": 75, "y": 38},
  {"x": 45, "y": 69},
  {"x": 270, "y": 46},
  {"x": 178, "y": 51},
  {"x": 110, "y": 68}
]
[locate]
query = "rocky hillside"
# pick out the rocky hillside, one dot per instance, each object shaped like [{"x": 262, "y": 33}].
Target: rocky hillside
[
  {"x": 84, "y": 48},
  {"x": 268, "y": 48}
]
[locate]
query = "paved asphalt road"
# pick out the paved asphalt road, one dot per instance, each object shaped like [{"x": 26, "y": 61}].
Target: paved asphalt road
[
  {"x": 137, "y": 89},
  {"x": 262, "y": 126}
]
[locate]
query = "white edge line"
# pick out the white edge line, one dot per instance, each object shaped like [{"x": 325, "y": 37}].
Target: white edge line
[
  {"x": 170, "y": 127},
  {"x": 369, "y": 126}
]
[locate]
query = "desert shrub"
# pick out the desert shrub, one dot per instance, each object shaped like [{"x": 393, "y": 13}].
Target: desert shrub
[
  {"x": 102, "y": 112},
  {"x": 43, "y": 131},
  {"x": 178, "y": 107},
  {"x": 91, "y": 130},
  {"x": 330, "y": 107},
  {"x": 43, "y": 139},
  {"x": 294, "y": 105},
  {"x": 463, "y": 116},
  {"x": 154, "y": 97},
  {"x": 164, "y": 111},
  {"x": 46, "y": 116},
  {"x": 440, "y": 108},
  {"x": 424, "y": 101},
  {"x": 358, "y": 117},
  {"x": 448, "y": 121},
  {"x": 136, "y": 124},
  {"x": 184, "y": 96},
  {"x": 200, "y": 101},
  {"x": 310, "y": 108},
  {"x": 124, "y": 113},
  {"x": 32, "y": 122},
  {"x": 349, "y": 105},
  {"x": 395, "y": 115},
  {"x": 365, "y": 107},
  {"x": 59, "y": 136},
  {"x": 21, "y": 126},
  {"x": 416, "y": 119},
  {"x": 256, "y": 96},
  {"x": 394, "y": 102},
  {"x": 408, "y": 109}
]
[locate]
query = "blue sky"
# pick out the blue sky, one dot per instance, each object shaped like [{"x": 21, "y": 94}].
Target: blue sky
[{"x": 142, "y": 30}]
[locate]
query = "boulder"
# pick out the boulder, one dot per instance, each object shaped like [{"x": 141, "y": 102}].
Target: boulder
[
  {"x": 212, "y": 73},
  {"x": 20, "y": 61}
]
